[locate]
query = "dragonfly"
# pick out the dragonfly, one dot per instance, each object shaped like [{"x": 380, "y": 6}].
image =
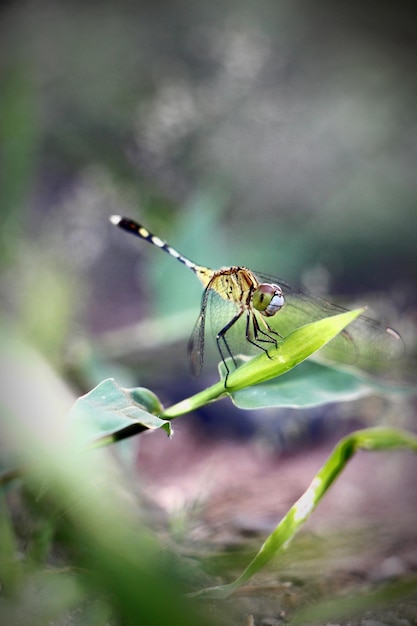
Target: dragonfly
[{"x": 251, "y": 312}]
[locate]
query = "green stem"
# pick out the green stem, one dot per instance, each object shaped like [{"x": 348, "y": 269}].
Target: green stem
[{"x": 215, "y": 392}]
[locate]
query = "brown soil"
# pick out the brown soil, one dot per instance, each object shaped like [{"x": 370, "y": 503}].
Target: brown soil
[{"x": 356, "y": 557}]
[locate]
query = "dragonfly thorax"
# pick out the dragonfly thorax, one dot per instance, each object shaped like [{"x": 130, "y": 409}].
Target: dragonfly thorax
[{"x": 268, "y": 299}]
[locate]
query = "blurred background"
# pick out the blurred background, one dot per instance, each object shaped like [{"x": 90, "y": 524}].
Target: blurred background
[{"x": 277, "y": 135}]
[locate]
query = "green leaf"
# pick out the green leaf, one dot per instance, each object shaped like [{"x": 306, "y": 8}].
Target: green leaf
[
  {"x": 292, "y": 350},
  {"x": 110, "y": 413},
  {"x": 295, "y": 348},
  {"x": 311, "y": 384}
]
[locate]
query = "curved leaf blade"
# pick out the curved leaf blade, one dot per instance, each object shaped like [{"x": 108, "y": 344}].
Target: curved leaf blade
[
  {"x": 292, "y": 350},
  {"x": 378, "y": 438}
]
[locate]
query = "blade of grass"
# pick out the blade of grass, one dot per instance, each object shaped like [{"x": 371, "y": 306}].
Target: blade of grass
[{"x": 282, "y": 535}]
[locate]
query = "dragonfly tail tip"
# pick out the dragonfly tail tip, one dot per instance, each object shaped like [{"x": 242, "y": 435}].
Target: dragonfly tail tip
[
  {"x": 115, "y": 219},
  {"x": 393, "y": 333}
]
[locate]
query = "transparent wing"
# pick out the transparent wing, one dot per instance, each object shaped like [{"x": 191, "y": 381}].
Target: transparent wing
[
  {"x": 219, "y": 312},
  {"x": 365, "y": 340},
  {"x": 196, "y": 345},
  {"x": 365, "y": 343}
]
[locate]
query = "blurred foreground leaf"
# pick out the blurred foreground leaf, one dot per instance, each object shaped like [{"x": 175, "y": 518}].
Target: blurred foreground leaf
[{"x": 108, "y": 560}]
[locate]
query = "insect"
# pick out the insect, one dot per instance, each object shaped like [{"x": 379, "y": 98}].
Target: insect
[{"x": 250, "y": 311}]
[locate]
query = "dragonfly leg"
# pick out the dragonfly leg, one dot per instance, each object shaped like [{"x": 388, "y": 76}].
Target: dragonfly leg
[
  {"x": 259, "y": 335},
  {"x": 222, "y": 343}
]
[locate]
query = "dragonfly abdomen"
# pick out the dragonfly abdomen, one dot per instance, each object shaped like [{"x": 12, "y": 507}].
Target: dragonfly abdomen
[{"x": 203, "y": 273}]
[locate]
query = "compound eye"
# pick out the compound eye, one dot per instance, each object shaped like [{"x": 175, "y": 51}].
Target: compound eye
[{"x": 268, "y": 299}]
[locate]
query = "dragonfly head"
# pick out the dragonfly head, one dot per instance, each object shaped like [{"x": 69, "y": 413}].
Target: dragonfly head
[{"x": 268, "y": 299}]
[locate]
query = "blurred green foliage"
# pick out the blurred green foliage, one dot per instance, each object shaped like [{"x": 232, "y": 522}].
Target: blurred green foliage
[
  {"x": 86, "y": 553},
  {"x": 275, "y": 135}
]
